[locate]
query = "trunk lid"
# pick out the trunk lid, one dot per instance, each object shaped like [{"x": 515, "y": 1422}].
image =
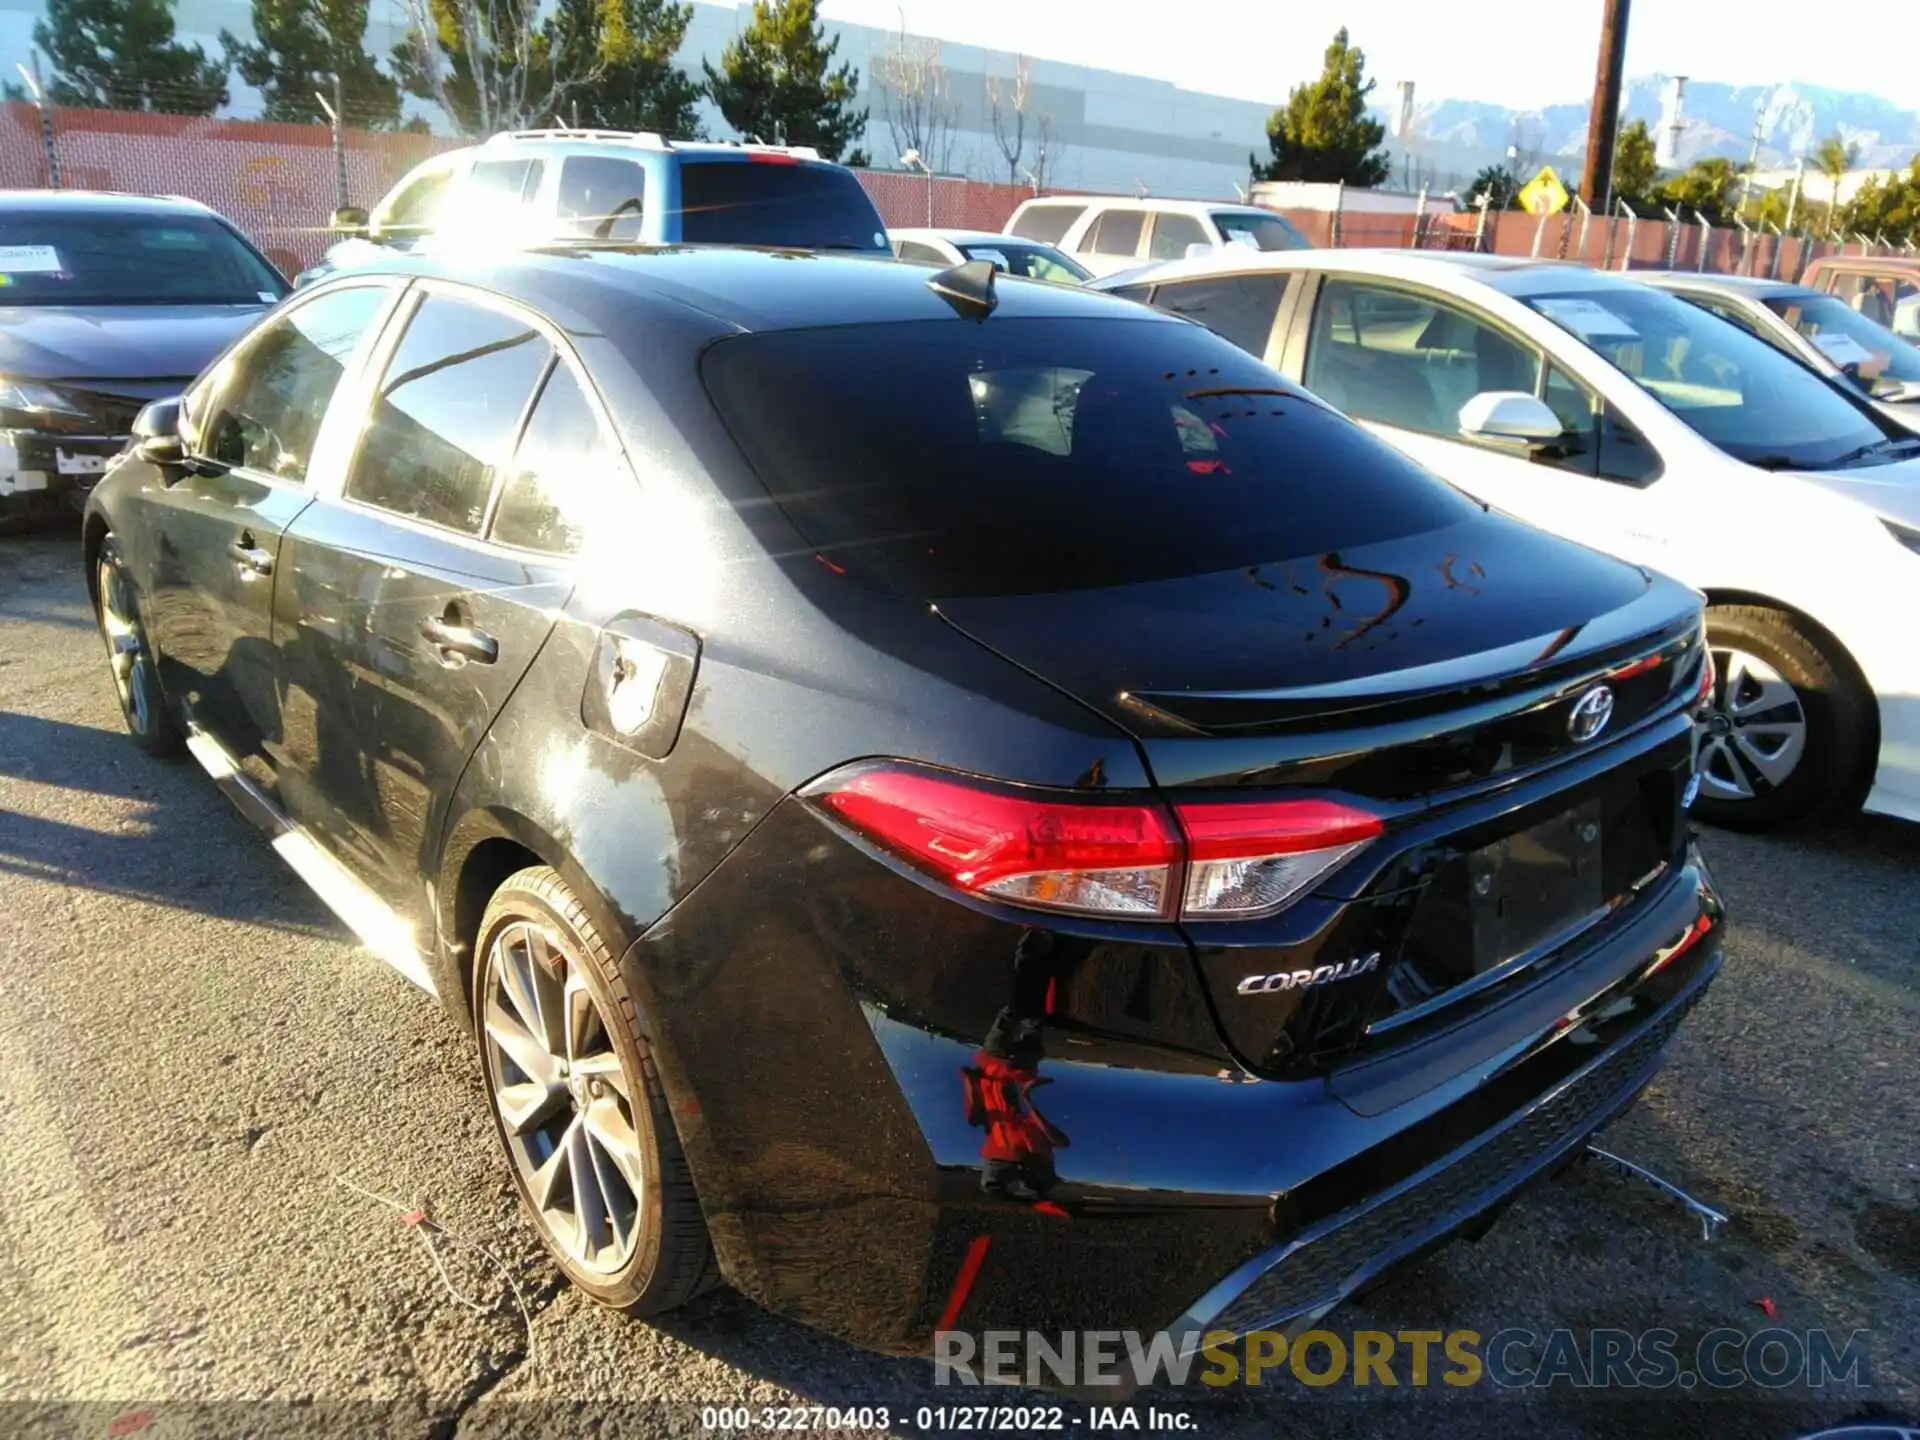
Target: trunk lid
[{"x": 1437, "y": 677}]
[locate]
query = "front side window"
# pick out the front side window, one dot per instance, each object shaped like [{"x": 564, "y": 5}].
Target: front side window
[
  {"x": 71, "y": 259},
  {"x": 267, "y": 407},
  {"x": 1173, "y": 233},
  {"x": 1031, "y": 262},
  {"x": 601, "y": 197},
  {"x": 1408, "y": 360},
  {"x": 559, "y": 473},
  {"x": 1117, "y": 232},
  {"x": 1260, "y": 230},
  {"x": 446, "y": 413},
  {"x": 1240, "y": 308},
  {"x": 1046, "y": 223},
  {"x": 414, "y": 209},
  {"x": 1855, "y": 344},
  {"x": 1733, "y": 390},
  {"x": 1023, "y": 455}
]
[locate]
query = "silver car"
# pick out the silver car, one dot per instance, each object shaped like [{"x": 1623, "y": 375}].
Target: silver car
[{"x": 1821, "y": 331}]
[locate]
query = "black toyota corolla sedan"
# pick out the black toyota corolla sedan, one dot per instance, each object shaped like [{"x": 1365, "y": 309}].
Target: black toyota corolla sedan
[
  {"x": 949, "y": 803},
  {"x": 106, "y": 302}
]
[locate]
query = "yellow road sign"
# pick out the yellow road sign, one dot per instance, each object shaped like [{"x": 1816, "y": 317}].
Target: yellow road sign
[{"x": 1543, "y": 194}]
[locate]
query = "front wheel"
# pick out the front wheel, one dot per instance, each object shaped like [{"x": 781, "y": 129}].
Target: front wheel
[
  {"x": 578, "y": 1104},
  {"x": 135, "y": 679},
  {"x": 1787, "y": 730}
]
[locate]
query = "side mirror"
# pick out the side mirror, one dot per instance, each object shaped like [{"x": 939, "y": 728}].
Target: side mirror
[
  {"x": 349, "y": 220},
  {"x": 1510, "y": 416},
  {"x": 1201, "y": 248},
  {"x": 156, "y": 433}
]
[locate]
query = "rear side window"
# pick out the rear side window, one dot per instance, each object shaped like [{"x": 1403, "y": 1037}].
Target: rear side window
[
  {"x": 601, "y": 197},
  {"x": 564, "y": 461},
  {"x": 1240, "y": 308},
  {"x": 764, "y": 202},
  {"x": 1117, "y": 232},
  {"x": 267, "y": 412},
  {"x": 949, "y": 458},
  {"x": 447, "y": 412},
  {"x": 1045, "y": 223},
  {"x": 1173, "y": 233},
  {"x": 506, "y": 182}
]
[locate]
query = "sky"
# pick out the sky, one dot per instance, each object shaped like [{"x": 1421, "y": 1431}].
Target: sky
[{"x": 1519, "y": 53}]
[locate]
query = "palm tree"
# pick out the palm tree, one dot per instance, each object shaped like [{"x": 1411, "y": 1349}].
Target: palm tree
[{"x": 1834, "y": 157}]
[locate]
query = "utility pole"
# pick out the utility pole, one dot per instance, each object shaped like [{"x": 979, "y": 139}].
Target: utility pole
[
  {"x": 1596, "y": 185},
  {"x": 1753, "y": 156}
]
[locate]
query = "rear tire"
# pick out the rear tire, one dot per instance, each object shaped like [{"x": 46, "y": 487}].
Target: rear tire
[
  {"x": 1788, "y": 731},
  {"x": 578, "y": 1104},
  {"x": 136, "y": 678}
]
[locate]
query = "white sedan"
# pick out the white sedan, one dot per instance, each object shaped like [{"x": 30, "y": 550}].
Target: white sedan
[
  {"x": 1008, "y": 253},
  {"x": 1622, "y": 416}
]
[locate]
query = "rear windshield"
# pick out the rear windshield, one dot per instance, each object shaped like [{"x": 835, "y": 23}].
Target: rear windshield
[
  {"x": 952, "y": 458},
  {"x": 802, "y": 207},
  {"x": 95, "y": 258},
  {"x": 1259, "y": 232},
  {"x": 1045, "y": 223}
]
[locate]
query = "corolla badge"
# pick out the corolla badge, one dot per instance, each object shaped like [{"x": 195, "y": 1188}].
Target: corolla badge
[
  {"x": 1301, "y": 979},
  {"x": 1590, "y": 714}
]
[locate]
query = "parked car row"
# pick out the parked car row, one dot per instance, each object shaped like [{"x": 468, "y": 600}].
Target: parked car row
[{"x": 901, "y": 768}]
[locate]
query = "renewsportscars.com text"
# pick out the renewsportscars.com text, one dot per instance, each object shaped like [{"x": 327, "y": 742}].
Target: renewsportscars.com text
[{"x": 1722, "y": 1359}]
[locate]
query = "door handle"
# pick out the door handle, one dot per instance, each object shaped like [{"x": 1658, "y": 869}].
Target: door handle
[
  {"x": 458, "y": 644},
  {"x": 251, "y": 559}
]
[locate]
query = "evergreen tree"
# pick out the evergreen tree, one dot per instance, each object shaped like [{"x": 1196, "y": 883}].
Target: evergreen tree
[
  {"x": 1706, "y": 188},
  {"x": 299, "y": 46},
  {"x": 777, "y": 82},
  {"x": 627, "y": 47},
  {"x": 121, "y": 55},
  {"x": 1633, "y": 164},
  {"x": 1323, "y": 132},
  {"x": 1497, "y": 183}
]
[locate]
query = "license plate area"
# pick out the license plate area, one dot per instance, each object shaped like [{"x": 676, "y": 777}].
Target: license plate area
[
  {"x": 1527, "y": 888},
  {"x": 80, "y": 462}
]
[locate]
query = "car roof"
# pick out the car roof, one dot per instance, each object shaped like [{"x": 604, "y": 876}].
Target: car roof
[
  {"x": 741, "y": 287},
  {"x": 1511, "y": 275},
  {"x": 957, "y": 237},
  {"x": 98, "y": 202},
  {"x": 1868, "y": 262},
  {"x": 1754, "y": 286},
  {"x": 1150, "y": 202}
]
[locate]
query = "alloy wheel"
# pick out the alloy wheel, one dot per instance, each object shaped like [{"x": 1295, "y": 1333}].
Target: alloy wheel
[
  {"x": 126, "y": 648},
  {"x": 1753, "y": 734},
  {"x": 564, "y": 1101}
]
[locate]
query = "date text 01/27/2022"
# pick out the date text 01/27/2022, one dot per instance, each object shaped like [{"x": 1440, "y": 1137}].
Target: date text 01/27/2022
[{"x": 943, "y": 1419}]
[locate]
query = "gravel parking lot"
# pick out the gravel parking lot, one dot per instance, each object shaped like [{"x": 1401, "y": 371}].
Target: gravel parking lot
[{"x": 194, "y": 1055}]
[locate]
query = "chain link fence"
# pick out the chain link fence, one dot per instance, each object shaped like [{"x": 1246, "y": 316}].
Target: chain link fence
[{"x": 280, "y": 182}]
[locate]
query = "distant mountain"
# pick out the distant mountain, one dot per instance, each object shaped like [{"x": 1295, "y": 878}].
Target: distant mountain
[{"x": 1462, "y": 135}]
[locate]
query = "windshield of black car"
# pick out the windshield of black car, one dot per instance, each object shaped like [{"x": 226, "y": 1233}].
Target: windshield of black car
[
  {"x": 1012, "y": 456},
  {"x": 95, "y": 257},
  {"x": 783, "y": 203},
  {"x": 1848, "y": 338},
  {"x": 1032, "y": 262},
  {"x": 1261, "y": 232},
  {"x": 1732, "y": 388}
]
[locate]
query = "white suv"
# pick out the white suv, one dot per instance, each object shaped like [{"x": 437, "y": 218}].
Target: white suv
[
  {"x": 530, "y": 186},
  {"x": 1108, "y": 233}
]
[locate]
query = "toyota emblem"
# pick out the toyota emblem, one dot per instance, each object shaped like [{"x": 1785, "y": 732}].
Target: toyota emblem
[{"x": 1590, "y": 714}]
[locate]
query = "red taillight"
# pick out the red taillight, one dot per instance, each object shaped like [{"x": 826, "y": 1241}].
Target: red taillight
[{"x": 1216, "y": 859}]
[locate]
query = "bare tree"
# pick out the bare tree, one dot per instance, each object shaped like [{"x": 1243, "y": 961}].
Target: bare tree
[
  {"x": 1046, "y": 154},
  {"x": 916, "y": 100},
  {"x": 495, "y": 65},
  {"x": 1007, "y": 103}
]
